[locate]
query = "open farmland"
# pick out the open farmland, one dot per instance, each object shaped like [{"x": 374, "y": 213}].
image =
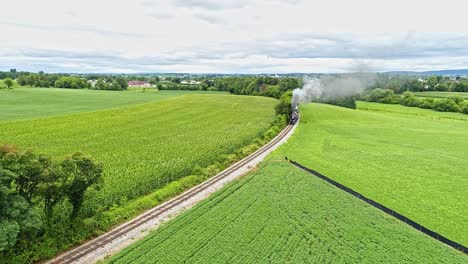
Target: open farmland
[
  {"x": 441, "y": 94},
  {"x": 146, "y": 146},
  {"x": 280, "y": 214},
  {"x": 412, "y": 160},
  {"x": 23, "y": 103}
]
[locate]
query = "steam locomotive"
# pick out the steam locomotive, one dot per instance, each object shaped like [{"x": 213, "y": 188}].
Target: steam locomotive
[{"x": 294, "y": 116}]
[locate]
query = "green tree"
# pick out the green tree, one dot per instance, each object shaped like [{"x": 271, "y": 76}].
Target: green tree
[
  {"x": 427, "y": 103},
  {"x": 461, "y": 86},
  {"x": 122, "y": 83},
  {"x": 82, "y": 173},
  {"x": 100, "y": 85},
  {"x": 16, "y": 214},
  {"x": 457, "y": 99},
  {"x": 409, "y": 99},
  {"x": 52, "y": 188},
  {"x": 443, "y": 87},
  {"x": 27, "y": 166},
  {"x": 446, "y": 105},
  {"x": 288, "y": 83},
  {"x": 284, "y": 106},
  {"x": 9, "y": 83}
]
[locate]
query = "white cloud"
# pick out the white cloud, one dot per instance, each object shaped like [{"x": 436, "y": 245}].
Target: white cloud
[{"x": 232, "y": 36}]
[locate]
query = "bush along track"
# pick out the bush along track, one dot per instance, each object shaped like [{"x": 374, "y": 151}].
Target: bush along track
[{"x": 387, "y": 210}]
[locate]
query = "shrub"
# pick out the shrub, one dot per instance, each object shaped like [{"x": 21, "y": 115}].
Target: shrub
[
  {"x": 284, "y": 106},
  {"x": 410, "y": 100},
  {"x": 457, "y": 99},
  {"x": 379, "y": 95},
  {"x": 464, "y": 109},
  {"x": 348, "y": 101},
  {"x": 427, "y": 103},
  {"x": 446, "y": 105}
]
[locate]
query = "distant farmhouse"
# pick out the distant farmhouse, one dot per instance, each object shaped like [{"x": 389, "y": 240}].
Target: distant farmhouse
[{"x": 139, "y": 84}]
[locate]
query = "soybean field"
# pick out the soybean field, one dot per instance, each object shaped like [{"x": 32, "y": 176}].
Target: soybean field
[
  {"x": 411, "y": 160},
  {"x": 146, "y": 146},
  {"x": 280, "y": 214}
]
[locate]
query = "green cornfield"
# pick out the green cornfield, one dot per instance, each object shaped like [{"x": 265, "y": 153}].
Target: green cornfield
[
  {"x": 146, "y": 146},
  {"x": 280, "y": 214},
  {"x": 26, "y": 103}
]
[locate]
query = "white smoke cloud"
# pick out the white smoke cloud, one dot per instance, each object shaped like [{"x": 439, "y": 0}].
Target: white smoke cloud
[{"x": 332, "y": 87}]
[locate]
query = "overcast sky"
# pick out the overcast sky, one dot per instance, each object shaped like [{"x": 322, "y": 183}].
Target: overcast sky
[{"x": 232, "y": 36}]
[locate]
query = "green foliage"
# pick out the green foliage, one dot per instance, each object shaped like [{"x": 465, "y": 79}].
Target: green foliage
[
  {"x": 284, "y": 106},
  {"x": 461, "y": 86},
  {"x": 413, "y": 85},
  {"x": 442, "y": 87},
  {"x": 16, "y": 214},
  {"x": 280, "y": 214},
  {"x": 446, "y": 105},
  {"x": 30, "y": 183},
  {"x": 427, "y": 103},
  {"x": 82, "y": 173},
  {"x": 389, "y": 155},
  {"x": 287, "y": 84},
  {"x": 457, "y": 99},
  {"x": 260, "y": 86},
  {"x": 409, "y": 99},
  {"x": 464, "y": 109},
  {"x": 115, "y": 84},
  {"x": 379, "y": 95},
  {"x": 71, "y": 82},
  {"x": 348, "y": 101},
  {"x": 8, "y": 83},
  {"x": 454, "y": 103},
  {"x": 37, "y": 79}
]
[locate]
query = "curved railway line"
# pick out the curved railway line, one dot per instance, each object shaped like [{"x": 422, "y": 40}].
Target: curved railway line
[{"x": 77, "y": 254}]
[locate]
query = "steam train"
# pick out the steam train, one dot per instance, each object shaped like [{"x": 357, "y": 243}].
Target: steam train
[{"x": 294, "y": 116}]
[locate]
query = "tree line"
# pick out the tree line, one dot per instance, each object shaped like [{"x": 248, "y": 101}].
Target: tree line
[
  {"x": 453, "y": 103},
  {"x": 402, "y": 83},
  {"x": 46, "y": 80}
]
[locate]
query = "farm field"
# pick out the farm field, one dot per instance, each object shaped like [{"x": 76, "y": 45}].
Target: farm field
[
  {"x": 24, "y": 103},
  {"x": 280, "y": 214},
  {"x": 441, "y": 94},
  {"x": 146, "y": 146},
  {"x": 411, "y": 160}
]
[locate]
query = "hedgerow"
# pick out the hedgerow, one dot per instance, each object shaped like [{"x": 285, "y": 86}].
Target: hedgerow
[{"x": 454, "y": 103}]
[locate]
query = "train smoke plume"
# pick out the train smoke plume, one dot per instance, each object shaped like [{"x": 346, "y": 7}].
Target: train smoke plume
[{"x": 342, "y": 85}]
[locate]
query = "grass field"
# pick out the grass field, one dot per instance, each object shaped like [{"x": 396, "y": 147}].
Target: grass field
[
  {"x": 280, "y": 214},
  {"x": 409, "y": 159},
  {"x": 441, "y": 94},
  {"x": 23, "y": 103},
  {"x": 144, "y": 147}
]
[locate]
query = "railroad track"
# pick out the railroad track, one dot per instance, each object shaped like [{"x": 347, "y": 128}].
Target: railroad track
[{"x": 75, "y": 254}]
